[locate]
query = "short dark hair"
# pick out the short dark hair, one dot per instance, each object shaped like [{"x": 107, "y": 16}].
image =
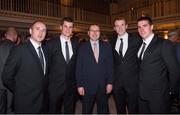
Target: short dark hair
[
  {"x": 68, "y": 19},
  {"x": 36, "y": 21},
  {"x": 147, "y": 18},
  {"x": 121, "y": 18}
]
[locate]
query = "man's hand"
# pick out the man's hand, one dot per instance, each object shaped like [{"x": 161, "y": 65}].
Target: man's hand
[
  {"x": 81, "y": 91},
  {"x": 109, "y": 88}
]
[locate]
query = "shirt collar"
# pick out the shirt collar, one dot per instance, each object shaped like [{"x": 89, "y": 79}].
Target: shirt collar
[
  {"x": 124, "y": 36},
  {"x": 148, "y": 39},
  {"x": 92, "y": 42},
  {"x": 34, "y": 43},
  {"x": 64, "y": 38}
]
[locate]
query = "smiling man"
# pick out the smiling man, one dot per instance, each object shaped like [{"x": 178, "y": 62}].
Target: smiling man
[
  {"x": 159, "y": 70},
  {"x": 125, "y": 47},
  {"x": 94, "y": 70},
  {"x": 62, "y": 81},
  {"x": 25, "y": 72}
]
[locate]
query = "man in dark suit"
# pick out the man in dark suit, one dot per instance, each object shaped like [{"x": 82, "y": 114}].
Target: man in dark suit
[
  {"x": 159, "y": 70},
  {"x": 25, "y": 72},
  {"x": 94, "y": 72},
  {"x": 62, "y": 81},
  {"x": 6, "y": 96},
  {"x": 174, "y": 36},
  {"x": 125, "y": 47}
]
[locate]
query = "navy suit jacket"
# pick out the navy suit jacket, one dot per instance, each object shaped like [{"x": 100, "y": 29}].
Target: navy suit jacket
[{"x": 91, "y": 75}]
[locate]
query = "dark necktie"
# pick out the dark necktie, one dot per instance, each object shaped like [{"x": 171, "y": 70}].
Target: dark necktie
[
  {"x": 121, "y": 48},
  {"x": 41, "y": 57},
  {"x": 142, "y": 50},
  {"x": 67, "y": 51}
]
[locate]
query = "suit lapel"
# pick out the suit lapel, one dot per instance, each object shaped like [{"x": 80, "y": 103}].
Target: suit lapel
[
  {"x": 73, "y": 47},
  {"x": 150, "y": 48},
  {"x": 100, "y": 51},
  {"x": 60, "y": 49},
  {"x": 34, "y": 53},
  {"x": 129, "y": 46},
  {"x": 114, "y": 45},
  {"x": 91, "y": 53}
]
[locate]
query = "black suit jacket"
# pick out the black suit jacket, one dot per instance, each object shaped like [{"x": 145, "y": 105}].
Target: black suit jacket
[
  {"x": 24, "y": 76},
  {"x": 89, "y": 74},
  {"x": 5, "y": 47},
  {"x": 126, "y": 69},
  {"x": 62, "y": 74},
  {"x": 159, "y": 70}
]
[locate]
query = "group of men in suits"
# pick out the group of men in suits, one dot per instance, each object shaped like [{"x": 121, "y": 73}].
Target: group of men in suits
[{"x": 142, "y": 73}]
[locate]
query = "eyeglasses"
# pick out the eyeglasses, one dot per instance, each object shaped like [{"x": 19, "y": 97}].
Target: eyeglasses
[{"x": 94, "y": 30}]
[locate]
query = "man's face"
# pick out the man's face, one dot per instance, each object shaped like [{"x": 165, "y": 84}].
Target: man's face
[
  {"x": 120, "y": 27},
  {"x": 38, "y": 31},
  {"x": 173, "y": 36},
  {"x": 11, "y": 35},
  {"x": 66, "y": 29},
  {"x": 145, "y": 29},
  {"x": 94, "y": 32}
]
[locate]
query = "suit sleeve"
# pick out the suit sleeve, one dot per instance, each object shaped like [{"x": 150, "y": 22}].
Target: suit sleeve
[
  {"x": 169, "y": 56},
  {"x": 79, "y": 68},
  {"x": 10, "y": 69},
  {"x": 109, "y": 65}
]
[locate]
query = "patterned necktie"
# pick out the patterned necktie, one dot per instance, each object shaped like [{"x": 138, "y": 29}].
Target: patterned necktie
[
  {"x": 95, "y": 49},
  {"x": 67, "y": 52},
  {"x": 41, "y": 58},
  {"x": 142, "y": 51},
  {"x": 121, "y": 48}
]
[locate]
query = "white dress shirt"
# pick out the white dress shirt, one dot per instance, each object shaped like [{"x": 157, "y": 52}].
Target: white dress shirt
[
  {"x": 125, "y": 43},
  {"x": 63, "y": 41}
]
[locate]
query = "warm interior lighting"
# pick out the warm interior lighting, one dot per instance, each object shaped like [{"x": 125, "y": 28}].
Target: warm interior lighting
[{"x": 165, "y": 34}]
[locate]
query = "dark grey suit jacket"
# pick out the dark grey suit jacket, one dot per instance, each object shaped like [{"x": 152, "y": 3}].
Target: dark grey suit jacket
[
  {"x": 62, "y": 74},
  {"x": 24, "y": 76}
]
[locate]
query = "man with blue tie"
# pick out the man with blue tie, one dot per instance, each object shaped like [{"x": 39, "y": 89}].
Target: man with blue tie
[{"x": 94, "y": 72}]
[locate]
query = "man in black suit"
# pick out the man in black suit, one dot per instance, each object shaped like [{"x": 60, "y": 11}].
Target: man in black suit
[
  {"x": 159, "y": 70},
  {"x": 62, "y": 81},
  {"x": 6, "y": 97},
  {"x": 125, "y": 47},
  {"x": 25, "y": 72},
  {"x": 94, "y": 72}
]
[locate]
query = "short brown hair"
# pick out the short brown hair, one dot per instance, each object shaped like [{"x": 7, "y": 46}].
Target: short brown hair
[
  {"x": 147, "y": 18},
  {"x": 36, "y": 22},
  {"x": 68, "y": 19},
  {"x": 121, "y": 18}
]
